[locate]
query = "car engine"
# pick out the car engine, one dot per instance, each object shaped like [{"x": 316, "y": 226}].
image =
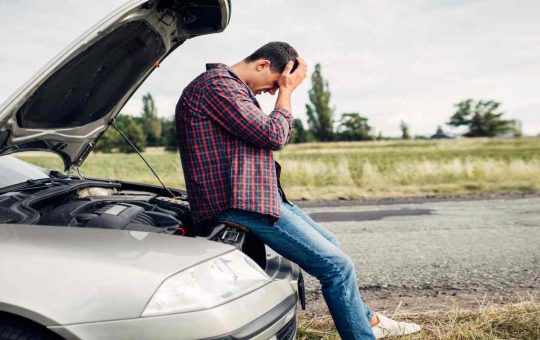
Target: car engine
[
  {"x": 97, "y": 207},
  {"x": 111, "y": 215}
]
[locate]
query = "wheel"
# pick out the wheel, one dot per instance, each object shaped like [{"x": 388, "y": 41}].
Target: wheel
[{"x": 19, "y": 329}]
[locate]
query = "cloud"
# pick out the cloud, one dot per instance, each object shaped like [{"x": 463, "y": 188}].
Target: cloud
[{"x": 388, "y": 60}]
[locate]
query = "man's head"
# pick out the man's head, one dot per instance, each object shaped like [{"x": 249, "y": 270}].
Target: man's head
[{"x": 262, "y": 69}]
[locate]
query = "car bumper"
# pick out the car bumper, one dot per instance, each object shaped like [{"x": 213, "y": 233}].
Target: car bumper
[{"x": 267, "y": 313}]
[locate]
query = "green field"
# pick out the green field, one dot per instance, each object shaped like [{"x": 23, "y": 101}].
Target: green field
[{"x": 362, "y": 169}]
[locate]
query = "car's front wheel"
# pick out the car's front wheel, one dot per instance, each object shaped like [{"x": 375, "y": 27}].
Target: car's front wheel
[{"x": 12, "y": 328}]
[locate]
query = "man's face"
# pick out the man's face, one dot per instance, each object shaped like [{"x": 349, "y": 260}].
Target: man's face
[{"x": 263, "y": 79}]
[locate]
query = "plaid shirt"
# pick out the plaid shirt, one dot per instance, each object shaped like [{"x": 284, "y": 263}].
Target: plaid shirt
[{"x": 226, "y": 142}]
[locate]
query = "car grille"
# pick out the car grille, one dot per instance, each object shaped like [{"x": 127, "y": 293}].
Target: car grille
[{"x": 288, "y": 331}]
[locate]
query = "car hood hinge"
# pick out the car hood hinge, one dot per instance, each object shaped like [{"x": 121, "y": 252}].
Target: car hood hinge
[{"x": 74, "y": 170}]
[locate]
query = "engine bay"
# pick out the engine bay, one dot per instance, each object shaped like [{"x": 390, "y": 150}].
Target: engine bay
[
  {"x": 113, "y": 214},
  {"x": 96, "y": 205}
]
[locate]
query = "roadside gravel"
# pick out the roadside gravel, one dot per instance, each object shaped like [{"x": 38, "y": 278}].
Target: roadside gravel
[{"x": 424, "y": 254}]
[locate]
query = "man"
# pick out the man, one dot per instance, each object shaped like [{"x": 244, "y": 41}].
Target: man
[{"x": 226, "y": 143}]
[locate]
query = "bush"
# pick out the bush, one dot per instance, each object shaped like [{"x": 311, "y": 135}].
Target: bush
[{"x": 111, "y": 140}]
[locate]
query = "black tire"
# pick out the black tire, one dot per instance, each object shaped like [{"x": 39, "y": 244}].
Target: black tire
[{"x": 20, "y": 329}]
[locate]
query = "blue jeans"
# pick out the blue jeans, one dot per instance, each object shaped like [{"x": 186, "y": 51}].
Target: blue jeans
[{"x": 316, "y": 250}]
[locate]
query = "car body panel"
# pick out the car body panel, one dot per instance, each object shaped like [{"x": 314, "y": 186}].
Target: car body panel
[
  {"x": 218, "y": 322},
  {"x": 73, "y": 275},
  {"x": 69, "y": 103}
]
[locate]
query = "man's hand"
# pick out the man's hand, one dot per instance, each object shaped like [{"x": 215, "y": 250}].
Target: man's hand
[{"x": 288, "y": 81}]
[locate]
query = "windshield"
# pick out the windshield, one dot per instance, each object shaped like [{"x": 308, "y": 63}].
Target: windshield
[{"x": 14, "y": 171}]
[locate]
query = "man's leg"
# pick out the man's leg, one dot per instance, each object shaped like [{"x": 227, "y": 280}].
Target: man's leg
[
  {"x": 295, "y": 239},
  {"x": 320, "y": 229},
  {"x": 326, "y": 234}
]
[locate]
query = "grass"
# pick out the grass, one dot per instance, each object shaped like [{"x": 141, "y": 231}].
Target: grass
[
  {"x": 516, "y": 321},
  {"x": 364, "y": 169}
]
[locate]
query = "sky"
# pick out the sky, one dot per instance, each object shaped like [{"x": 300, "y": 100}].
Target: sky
[{"x": 388, "y": 60}]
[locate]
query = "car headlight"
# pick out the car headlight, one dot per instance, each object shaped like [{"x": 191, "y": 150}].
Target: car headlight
[{"x": 207, "y": 285}]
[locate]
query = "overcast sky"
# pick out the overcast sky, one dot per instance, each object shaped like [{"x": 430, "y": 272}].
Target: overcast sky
[{"x": 388, "y": 60}]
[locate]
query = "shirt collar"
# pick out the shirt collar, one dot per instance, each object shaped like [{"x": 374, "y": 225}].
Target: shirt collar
[
  {"x": 210, "y": 66},
  {"x": 221, "y": 66}
]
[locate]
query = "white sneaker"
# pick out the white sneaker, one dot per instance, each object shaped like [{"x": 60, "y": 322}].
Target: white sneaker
[{"x": 388, "y": 327}]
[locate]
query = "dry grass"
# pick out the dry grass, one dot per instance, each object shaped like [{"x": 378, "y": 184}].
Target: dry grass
[
  {"x": 408, "y": 168},
  {"x": 364, "y": 169},
  {"x": 516, "y": 321},
  {"x": 320, "y": 179}
]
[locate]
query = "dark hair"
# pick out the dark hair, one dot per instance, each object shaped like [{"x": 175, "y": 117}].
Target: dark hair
[{"x": 278, "y": 53}]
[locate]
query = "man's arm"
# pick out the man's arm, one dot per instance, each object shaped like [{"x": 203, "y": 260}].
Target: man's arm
[{"x": 228, "y": 102}]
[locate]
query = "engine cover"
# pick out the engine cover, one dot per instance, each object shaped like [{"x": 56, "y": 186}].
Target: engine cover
[{"x": 110, "y": 215}]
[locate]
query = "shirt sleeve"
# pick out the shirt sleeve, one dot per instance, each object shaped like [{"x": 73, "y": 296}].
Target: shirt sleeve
[{"x": 227, "y": 101}]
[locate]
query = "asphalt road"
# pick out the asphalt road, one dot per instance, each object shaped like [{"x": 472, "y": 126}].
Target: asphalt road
[{"x": 428, "y": 255}]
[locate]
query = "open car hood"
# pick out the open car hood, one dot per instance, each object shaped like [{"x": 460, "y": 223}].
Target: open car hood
[{"x": 70, "y": 102}]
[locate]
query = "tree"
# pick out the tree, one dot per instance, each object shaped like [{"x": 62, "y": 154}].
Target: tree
[
  {"x": 111, "y": 139},
  {"x": 168, "y": 138},
  {"x": 516, "y": 128},
  {"x": 107, "y": 141},
  {"x": 439, "y": 131},
  {"x": 320, "y": 115},
  {"x": 133, "y": 132},
  {"x": 354, "y": 127},
  {"x": 482, "y": 118},
  {"x": 299, "y": 133},
  {"x": 151, "y": 121},
  {"x": 404, "y": 130}
]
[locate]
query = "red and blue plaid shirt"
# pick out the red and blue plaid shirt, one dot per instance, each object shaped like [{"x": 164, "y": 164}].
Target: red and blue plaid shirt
[{"x": 226, "y": 143}]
